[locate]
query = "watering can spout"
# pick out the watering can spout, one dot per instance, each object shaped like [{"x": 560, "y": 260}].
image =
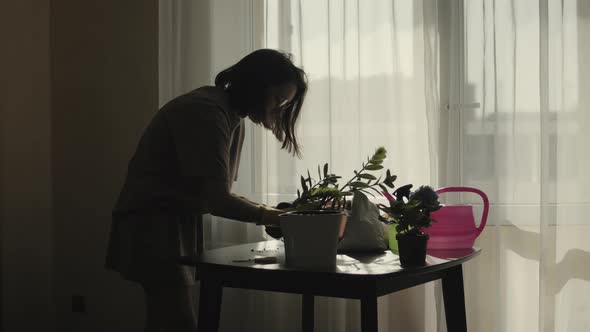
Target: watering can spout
[{"x": 455, "y": 224}]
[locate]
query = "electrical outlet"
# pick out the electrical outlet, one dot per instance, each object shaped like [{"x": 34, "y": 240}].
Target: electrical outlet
[{"x": 78, "y": 303}]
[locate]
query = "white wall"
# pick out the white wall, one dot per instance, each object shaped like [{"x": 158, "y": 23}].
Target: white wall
[{"x": 25, "y": 181}]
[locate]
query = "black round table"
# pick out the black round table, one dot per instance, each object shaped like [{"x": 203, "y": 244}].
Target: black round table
[{"x": 362, "y": 276}]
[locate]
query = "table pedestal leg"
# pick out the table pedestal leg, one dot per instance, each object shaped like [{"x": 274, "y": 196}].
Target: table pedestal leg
[
  {"x": 454, "y": 299},
  {"x": 369, "y": 314},
  {"x": 209, "y": 306},
  {"x": 307, "y": 313}
]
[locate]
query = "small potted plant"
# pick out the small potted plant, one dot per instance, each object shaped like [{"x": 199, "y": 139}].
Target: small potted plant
[
  {"x": 410, "y": 212},
  {"x": 318, "y": 216}
]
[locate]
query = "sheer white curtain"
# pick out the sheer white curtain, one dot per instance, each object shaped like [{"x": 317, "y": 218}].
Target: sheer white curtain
[
  {"x": 526, "y": 62},
  {"x": 373, "y": 81},
  {"x": 380, "y": 74},
  {"x": 513, "y": 74}
]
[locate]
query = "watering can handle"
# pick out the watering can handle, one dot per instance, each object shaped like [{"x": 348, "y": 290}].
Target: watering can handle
[{"x": 484, "y": 197}]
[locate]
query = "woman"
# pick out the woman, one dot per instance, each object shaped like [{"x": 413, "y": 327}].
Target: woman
[{"x": 184, "y": 167}]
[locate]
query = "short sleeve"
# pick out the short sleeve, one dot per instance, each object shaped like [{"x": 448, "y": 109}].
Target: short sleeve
[{"x": 202, "y": 137}]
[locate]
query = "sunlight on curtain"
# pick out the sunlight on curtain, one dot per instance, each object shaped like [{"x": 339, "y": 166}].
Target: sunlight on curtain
[
  {"x": 374, "y": 69},
  {"x": 526, "y": 63},
  {"x": 365, "y": 62},
  {"x": 379, "y": 72},
  {"x": 373, "y": 81}
]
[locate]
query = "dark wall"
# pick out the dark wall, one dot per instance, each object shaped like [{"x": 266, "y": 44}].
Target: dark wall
[{"x": 104, "y": 91}]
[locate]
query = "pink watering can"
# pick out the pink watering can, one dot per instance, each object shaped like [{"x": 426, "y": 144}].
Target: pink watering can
[{"x": 455, "y": 224}]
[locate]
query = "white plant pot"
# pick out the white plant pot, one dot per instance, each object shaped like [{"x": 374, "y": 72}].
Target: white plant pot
[{"x": 311, "y": 238}]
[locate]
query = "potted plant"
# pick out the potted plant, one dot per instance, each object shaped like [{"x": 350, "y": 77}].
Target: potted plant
[
  {"x": 317, "y": 218},
  {"x": 410, "y": 212}
]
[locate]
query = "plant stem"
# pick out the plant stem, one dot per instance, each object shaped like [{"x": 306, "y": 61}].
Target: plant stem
[{"x": 355, "y": 176}]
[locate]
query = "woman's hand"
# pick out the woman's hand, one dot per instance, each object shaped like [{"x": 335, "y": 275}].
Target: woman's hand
[
  {"x": 270, "y": 216},
  {"x": 271, "y": 219},
  {"x": 274, "y": 231},
  {"x": 271, "y": 222}
]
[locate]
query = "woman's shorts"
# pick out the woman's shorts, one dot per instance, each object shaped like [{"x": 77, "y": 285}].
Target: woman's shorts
[{"x": 145, "y": 248}]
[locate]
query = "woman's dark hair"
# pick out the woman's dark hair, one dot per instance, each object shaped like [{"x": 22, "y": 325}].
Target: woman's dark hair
[{"x": 248, "y": 83}]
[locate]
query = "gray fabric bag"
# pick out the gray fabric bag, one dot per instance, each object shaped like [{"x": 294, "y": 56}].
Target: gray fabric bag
[{"x": 364, "y": 231}]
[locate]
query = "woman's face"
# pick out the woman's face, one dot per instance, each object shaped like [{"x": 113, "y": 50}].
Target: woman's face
[{"x": 279, "y": 98}]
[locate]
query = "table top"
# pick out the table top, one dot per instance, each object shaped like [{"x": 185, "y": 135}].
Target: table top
[{"x": 247, "y": 257}]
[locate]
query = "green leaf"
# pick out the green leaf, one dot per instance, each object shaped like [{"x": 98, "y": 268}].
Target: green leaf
[
  {"x": 319, "y": 173},
  {"x": 403, "y": 191},
  {"x": 389, "y": 180},
  {"x": 303, "y": 185},
  {"x": 376, "y": 161},
  {"x": 380, "y": 153},
  {"x": 325, "y": 169},
  {"x": 359, "y": 184},
  {"x": 367, "y": 176},
  {"x": 375, "y": 190},
  {"x": 383, "y": 188},
  {"x": 388, "y": 174},
  {"x": 298, "y": 194},
  {"x": 383, "y": 208},
  {"x": 373, "y": 167}
]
